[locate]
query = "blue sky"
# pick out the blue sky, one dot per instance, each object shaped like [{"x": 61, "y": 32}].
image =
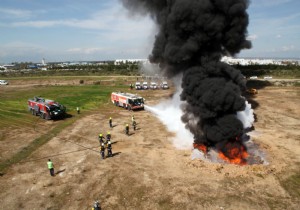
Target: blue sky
[{"x": 73, "y": 30}]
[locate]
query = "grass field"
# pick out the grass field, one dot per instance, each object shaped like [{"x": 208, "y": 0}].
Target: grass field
[
  {"x": 146, "y": 172},
  {"x": 14, "y": 112},
  {"x": 13, "y": 103}
]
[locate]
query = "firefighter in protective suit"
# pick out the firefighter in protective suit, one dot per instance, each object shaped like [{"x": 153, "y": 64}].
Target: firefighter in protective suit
[
  {"x": 101, "y": 138},
  {"x": 134, "y": 125},
  {"x": 102, "y": 150},
  {"x": 132, "y": 119},
  {"x": 127, "y": 129},
  {"x": 108, "y": 136},
  {"x": 110, "y": 122},
  {"x": 96, "y": 206},
  {"x": 109, "y": 149}
]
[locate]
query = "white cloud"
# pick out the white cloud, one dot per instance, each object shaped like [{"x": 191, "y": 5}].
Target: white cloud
[
  {"x": 288, "y": 48},
  {"x": 113, "y": 18},
  {"x": 15, "y": 13},
  {"x": 85, "y": 50},
  {"x": 278, "y": 36},
  {"x": 21, "y": 50}
]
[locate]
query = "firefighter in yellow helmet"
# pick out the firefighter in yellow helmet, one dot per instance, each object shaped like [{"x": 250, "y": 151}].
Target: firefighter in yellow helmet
[
  {"x": 110, "y": 122},
  {"x": 127, "y": 129},
  {"x": 108, "y": 136},
  {"x": 101, "y": 138}
]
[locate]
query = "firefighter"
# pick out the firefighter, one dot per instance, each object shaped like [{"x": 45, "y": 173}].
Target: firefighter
[
  {"x": 78, "y": 110},
  {"x": 102, "y": 150},
  {"x": 134, "y": 125},
  {"x": 50, "y": 167},
  {"x": 110, "y": 122},
  {"x": 109, "y": 149},
  {"x": 96, "y": 206},
  {"x": 132, "y": 119},
  {"x": 101, "y": 138},
  {"x": 127, "y": 129},
  {"x": 131, "y": 86},
  {"x": 108, "y": 136}
]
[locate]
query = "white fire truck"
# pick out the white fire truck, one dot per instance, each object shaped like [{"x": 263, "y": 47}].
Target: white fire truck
[
  {"x": 45, "y": 108},
  {"x": 127, "y": 100}
]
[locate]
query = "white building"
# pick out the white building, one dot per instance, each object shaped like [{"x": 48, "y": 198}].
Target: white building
[{"x": 120, "y": 61}]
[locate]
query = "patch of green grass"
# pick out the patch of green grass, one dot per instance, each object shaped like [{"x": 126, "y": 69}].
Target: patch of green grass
[{"x": 14, "y": 109}]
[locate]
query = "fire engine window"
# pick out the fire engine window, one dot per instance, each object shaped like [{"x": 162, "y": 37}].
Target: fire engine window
[{"x": 130, "y": 101}]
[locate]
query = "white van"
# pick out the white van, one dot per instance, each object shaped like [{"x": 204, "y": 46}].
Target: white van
[
  {"x": 253, "y": 77},
  {"x": 145, "y": 85},
  {"x": 268, "y": 78},
  {"x": 3, "y": 82}
]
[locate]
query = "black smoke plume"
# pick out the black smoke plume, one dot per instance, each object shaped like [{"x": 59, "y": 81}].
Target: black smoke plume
[{"x": 193, "y": 35}]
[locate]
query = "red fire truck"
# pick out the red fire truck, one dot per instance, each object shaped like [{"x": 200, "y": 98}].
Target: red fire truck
[
  {"x": 45, "y": 108},
  {"x": 127, "y": 100}
]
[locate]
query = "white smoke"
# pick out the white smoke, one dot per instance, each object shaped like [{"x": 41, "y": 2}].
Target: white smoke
[
  {"x": 246, "y": 116},
  {"x": 169, "y": 113}
]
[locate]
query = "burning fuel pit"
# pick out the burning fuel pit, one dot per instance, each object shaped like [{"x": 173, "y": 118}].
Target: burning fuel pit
[
  {"x": 191, "y": 40},
  {"x": 241, "y": 151}
]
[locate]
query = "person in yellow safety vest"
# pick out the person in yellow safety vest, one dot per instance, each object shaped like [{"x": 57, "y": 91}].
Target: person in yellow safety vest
[
  {"x": 101, "y": 138},
  {"x": 132, "y": 119},
  {"x": 78, "y": 110},
  {"x": 110, "y": 122},
  {"x": 127, "y": 129},
  {"x": 50, "y": 167}
]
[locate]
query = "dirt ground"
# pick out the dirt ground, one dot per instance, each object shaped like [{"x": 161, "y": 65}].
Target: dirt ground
[{"x": 147, "y": 172}]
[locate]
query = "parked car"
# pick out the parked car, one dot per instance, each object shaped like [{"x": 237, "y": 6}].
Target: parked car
[
  {"x": 268, "y": 78},
  {"x": 145, "y": 85},
  {"x": 164, "y": 85},
  {"x": 3, "y": 82},
  {"x": 153, "y": 85},
  {"x": 253, "y": 77},
  {"x": 138, "y": 86}
]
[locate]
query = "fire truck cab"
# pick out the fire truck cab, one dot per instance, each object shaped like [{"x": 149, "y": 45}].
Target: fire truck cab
[{"x": 127, "y": 100}]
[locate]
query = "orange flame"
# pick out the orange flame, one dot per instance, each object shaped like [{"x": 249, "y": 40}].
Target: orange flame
[
  {"x": 200, "y": 147},
  {"x": 236, "y": 153}
]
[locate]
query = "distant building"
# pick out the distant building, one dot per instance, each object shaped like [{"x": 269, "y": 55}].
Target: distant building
[
  {"x": 124, "y": 61},
  {"x": 8, "y": 66},
  {"x": 248, "y": 61},
  {"x": 32, "y": 66}
]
